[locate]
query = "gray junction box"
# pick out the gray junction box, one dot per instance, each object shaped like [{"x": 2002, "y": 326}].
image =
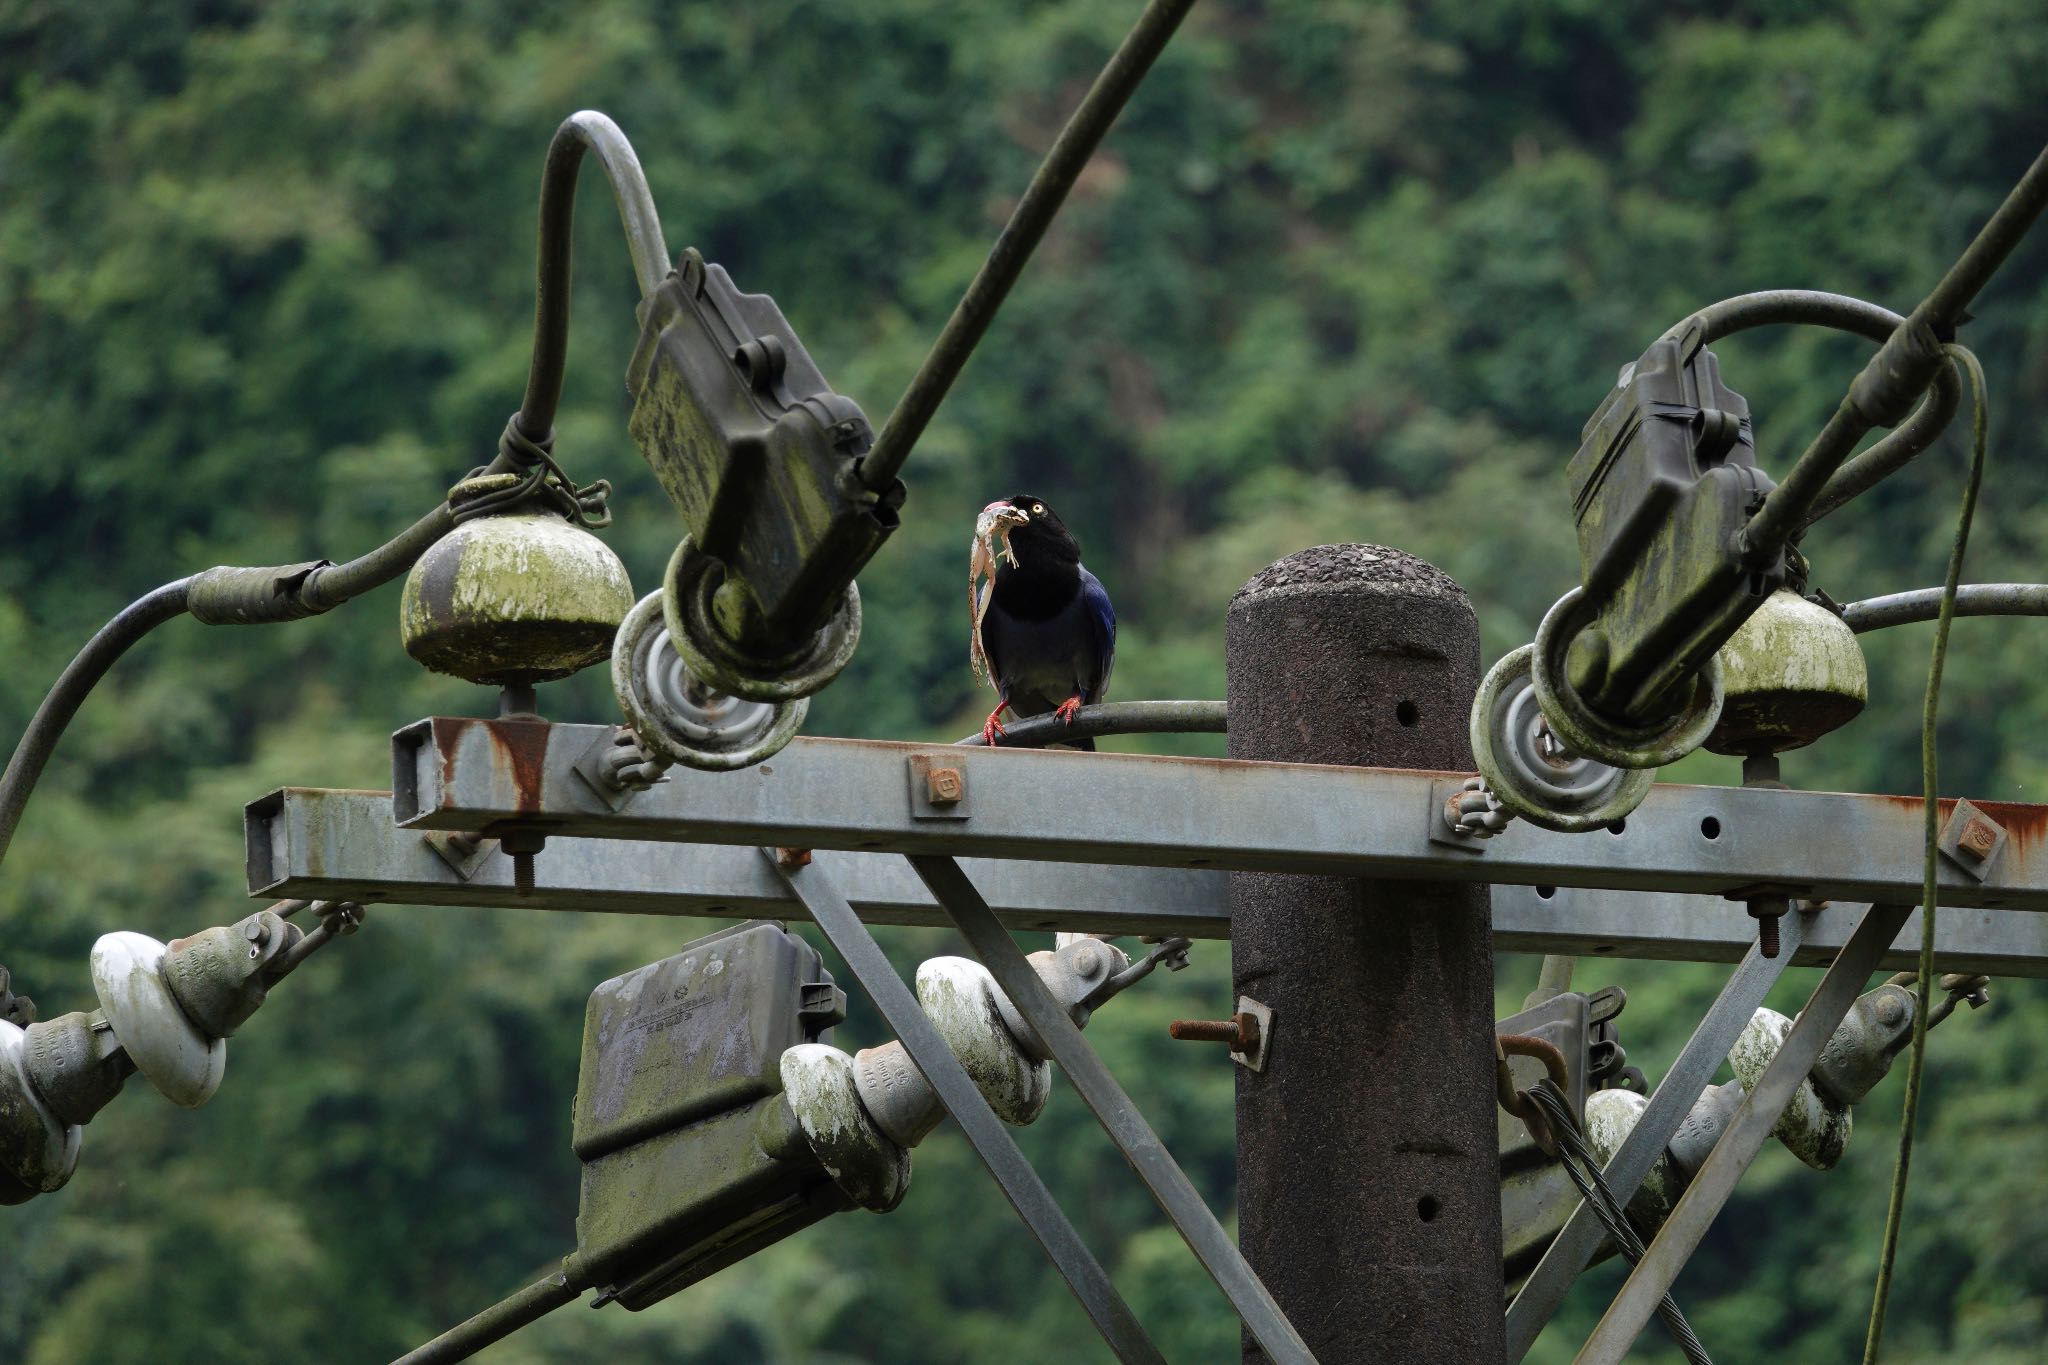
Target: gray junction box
[{"x": 691, "y": 1159}]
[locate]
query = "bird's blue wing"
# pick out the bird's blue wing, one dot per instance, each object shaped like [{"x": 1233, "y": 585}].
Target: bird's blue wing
[{"x": 1101, "y": 617}]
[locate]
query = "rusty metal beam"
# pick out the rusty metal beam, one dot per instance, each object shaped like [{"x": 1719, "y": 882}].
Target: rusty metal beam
[
  {"x": 460, "y": 773},
  {"x": 342, "y": 845}
]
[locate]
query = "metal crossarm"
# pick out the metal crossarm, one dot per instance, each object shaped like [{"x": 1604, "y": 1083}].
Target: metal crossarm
[
  {"x": 1747, "y": 1131},
  {"x": 342, "y": 845},
  {"x": 1675, "y": 1095},
  {"x": 1113, "y": 1109},
  {"x": 460, "y": 773},
  {"x": 984, "y": 1131}
]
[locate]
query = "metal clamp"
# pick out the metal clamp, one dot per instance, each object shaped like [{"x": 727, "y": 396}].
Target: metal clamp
[
  {"x": 688, "y": 589},
  {"x": 1972, "y": 840},
  {"x": 1591, "y": 735}
]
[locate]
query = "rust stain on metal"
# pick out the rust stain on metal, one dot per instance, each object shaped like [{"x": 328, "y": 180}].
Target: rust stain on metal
[
  {"x": 944, "y": 786},
  {"x": 523, "y": 745},
  {"x": 793, "y": 857},
  {"x": 1978, "y": 838},
  {"x": 2025, "y": 823}
]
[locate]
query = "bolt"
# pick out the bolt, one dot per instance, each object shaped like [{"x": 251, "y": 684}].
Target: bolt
[
  {"x": 1889, "y": 1010},
  {"x": 1766, "y": 911},
  {"x": 522, "y": 844},
  {"x": 254, "y": 931},
  {"x": 1240, "y": 1031},
  {"x": 1978, "y": 838},
  {"x": 944, "y": 786}
]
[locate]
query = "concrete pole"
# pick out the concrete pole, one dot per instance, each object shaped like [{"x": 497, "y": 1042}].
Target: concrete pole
[{"x": 1368, "y": 1172}]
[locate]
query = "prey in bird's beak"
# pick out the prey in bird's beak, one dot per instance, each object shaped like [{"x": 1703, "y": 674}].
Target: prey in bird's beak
[{"x": 991, "y": 542}]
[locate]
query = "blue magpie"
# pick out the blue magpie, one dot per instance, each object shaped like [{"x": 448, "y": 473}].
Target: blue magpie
[{"x": 1043, "y": 627}]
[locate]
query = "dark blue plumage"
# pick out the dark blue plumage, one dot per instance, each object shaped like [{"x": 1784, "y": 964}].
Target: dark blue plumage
[{"x": 1049, "y": 632}]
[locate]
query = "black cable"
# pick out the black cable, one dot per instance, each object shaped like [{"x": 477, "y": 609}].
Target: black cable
[
  {"x": 1583, "y": 1168},
  {"x": 1055, "y": 176},
  {"x": 495, "y": 1323},
  {"x": 227, "y": 595},
  {"x": 1909, "y": 360},
  {"x": 85, "y": 670},
  {"x": 585, "y": 131},
  {"x": 1924, "y": 604},
  {"x": 1816, "y": 308},
  {"x": 1115, "y": 718}
]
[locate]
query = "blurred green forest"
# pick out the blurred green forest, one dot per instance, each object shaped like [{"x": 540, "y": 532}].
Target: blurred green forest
[{"x": 1344, "y": 271}]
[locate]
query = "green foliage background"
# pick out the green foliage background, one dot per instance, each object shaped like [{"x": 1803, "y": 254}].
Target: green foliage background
[{"x": 1349, "y": 271}]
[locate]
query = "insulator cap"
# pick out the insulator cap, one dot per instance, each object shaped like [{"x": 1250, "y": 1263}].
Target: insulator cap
[
  {"x": 513, "y": 599},
  {"x": 1793, "y": 673}
]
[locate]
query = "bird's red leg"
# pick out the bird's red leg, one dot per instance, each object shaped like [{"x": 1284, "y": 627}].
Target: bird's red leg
[
  {"x": 992, "y": 728},
  {"x": 1067, "y": 708}
]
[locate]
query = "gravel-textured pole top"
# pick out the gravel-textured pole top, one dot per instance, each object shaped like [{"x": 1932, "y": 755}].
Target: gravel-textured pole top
[{"x": 1347, "y": 568}]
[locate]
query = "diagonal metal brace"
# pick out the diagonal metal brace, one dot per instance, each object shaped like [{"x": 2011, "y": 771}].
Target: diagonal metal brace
[
  {"x": 1675, "y": 1096},
  {"x": 963, "y": 1100},
  {"x": 1747, "y": 1132},
  {"x": 1113, "y": 1108}
]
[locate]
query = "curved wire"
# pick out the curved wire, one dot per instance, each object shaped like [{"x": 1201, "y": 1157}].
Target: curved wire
[
  {"x": 1115, "y": 718},
  {"x": 322, "y": 590},
  {"x": 1787, "y": 307},
  {"x": 1924, "y": 604},
  {"x": 1916, "y": 1068},
  {"x": 330, "y": 587},
  {"x": 1882, "y": 394},
  {"x": 1817, "y": 308},
  {"x": 585, "y": 131},
  {"x": 85, "y": 670}
]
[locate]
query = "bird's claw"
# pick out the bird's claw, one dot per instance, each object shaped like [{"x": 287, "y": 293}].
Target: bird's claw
[
  {"x": 992, "y": 728},
  {"x": 1067, "y": 709}
]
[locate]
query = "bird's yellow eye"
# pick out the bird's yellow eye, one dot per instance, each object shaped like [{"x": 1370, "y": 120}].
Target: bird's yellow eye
[{"x": 1038, "y": 509}]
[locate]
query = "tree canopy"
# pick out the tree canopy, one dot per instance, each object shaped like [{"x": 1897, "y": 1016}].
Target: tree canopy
[{"x": 1342, "y": 272}]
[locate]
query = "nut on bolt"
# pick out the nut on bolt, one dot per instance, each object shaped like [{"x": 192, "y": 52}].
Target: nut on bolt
[
  {"x": 1978, "y": 838},
  {"x": 944, "y": 786}
]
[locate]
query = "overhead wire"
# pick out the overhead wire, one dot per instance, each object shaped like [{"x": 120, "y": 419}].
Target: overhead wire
[
  {"x": 227, "y": 595},
  {"x": 1929, "y": 774}
]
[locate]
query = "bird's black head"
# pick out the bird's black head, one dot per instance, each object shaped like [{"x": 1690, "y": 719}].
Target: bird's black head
[{"x": 1042, "y": 535}]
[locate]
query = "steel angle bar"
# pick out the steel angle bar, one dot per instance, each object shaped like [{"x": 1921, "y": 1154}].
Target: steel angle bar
[
  {"x": 463, "y": 773},
  {"x": 342, "y": 845},
  {"x": 1673, "y": 1099},
  {"x": 1113, "y": 1108},
  {"x": 1746, "y": 1134},
  {"x": 956, "y": 1090},
  {"x": 1680, "y": 928}
]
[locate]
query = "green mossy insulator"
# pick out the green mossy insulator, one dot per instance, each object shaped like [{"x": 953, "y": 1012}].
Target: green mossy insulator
[
  {"x": 1793, "y": 673},
  {"x": 513, "y": 599}
]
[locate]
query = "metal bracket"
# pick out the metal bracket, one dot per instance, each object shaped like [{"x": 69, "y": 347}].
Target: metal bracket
[
  {"x": 1972, "y": 840},
  {"x": 463, "y": 852},
  {"x": 596, "y": 774},
  {"x": 1255, "y": 1058},
  {"x": 938, "y": 788},
  {"x": 1442, "y": 829}
]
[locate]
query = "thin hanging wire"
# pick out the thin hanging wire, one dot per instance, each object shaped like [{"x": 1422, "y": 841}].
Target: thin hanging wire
[{"x": 1928, "y": 774}]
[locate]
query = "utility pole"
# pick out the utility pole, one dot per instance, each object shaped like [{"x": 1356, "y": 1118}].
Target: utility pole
[{"x": 1368, "y": 1175}]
